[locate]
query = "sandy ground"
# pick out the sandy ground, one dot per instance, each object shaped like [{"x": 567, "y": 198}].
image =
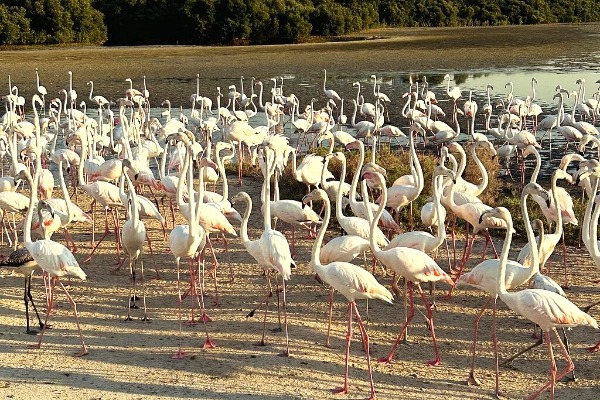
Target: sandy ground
[{"x": 132, "y": 360}]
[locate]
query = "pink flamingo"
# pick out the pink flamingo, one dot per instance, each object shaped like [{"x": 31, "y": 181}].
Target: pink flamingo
[{"x": 352, "y": 281}]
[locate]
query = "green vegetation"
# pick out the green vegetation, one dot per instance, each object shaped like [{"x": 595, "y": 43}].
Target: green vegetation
[{"x": 143, "y": 22}]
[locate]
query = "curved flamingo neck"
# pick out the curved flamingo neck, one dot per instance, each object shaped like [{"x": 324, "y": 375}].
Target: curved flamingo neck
[
  {"x": 315, "y": 260},
  {"x": 246, "y": 218},
  {"x": 484, "y": 175},
  {"x": 374, "y": 246},
  {"x": 338, "y": 201},
  {"x": 501, "y": 282},
  {"x": 538, "y": 165},
  {"x": 361, "y": 160},
  {"x": 535, "y": 256},
  {"x": 559, "y": 220}
]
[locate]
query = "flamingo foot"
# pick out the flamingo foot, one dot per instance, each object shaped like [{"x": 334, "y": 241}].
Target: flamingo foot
[
  {"x": 191, "y": 322},
  {"x": 145, "y": 319},
  {"x": 594, "y": 349},
  {"x": 179, "y": 355},
  {"x": 128, "y": 319},
  {"x": 260, "y": 343},
  {"x": 284, "y": 353},
  {"x": 566, "y": 286},
  {"x": 434, "y": 363},
  {"x": 32, "y": 332},
  {"x": 385, "y": 360},
  {"x": 472, "y": 380},
  {"x": 35, "y": 346},
  {"x": 343, "y": 389},
  {"x": 276, "y": 330},
  {"x": 205, "y": 318},
  {"x": 84, "y": 352},
  {"x": 209, "y": 344}
]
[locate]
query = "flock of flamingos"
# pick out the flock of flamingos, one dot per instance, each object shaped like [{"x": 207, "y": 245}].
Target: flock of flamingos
[{"x": 114, "y": 159}]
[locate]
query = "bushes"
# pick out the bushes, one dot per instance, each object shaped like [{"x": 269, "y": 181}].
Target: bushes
[{"x": 206, "y": 22}]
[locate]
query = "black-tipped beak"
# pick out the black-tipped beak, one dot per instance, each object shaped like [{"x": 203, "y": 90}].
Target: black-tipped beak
[
  {"x": 135, "y": 177},
  {"x": 318, "y": 279}
]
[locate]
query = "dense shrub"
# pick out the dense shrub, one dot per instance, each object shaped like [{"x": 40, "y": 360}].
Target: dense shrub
[{"x": 141, "y": 22}]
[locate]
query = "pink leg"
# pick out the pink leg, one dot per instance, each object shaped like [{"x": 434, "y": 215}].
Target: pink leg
[
  {"x": 269, "y": 292},
  {"x": 466, "y": 255},
  {"x": 429, "y": 311},
  {"x": 594, "y": 348},
  {"x": 180, "y": 353},
  {"x": 552, "y": 371},
  {"x": 208, "y": 343},
  {"x": 365, "y": 338},
  {"x": 106, "y": 232},
  {"x": 344, "y": 388},
  {"x": 331, "y": 290},
  {"x": 495, "y": 341},
  {"x": 409, "y": 318},
  {"x": 472, "y": 379},
  {"x": 557, "y": 377}
]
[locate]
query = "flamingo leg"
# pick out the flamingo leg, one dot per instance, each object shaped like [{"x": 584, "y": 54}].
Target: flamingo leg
[
  {"x": 180, "y": 353},
  {"x": 145, "y": 317},
  {"x": 157, "y": 276},
  {"x": 285, "y": 322},
  {"x": 365, "y": 338},
  {"x": 269, "y": 294},
  {"x": 27, "y": 299},
  {"x": 131, "y": 298},
  {"x": 208, "y": 343},
  {"x": 84, "y": 350},
  {"x": 215, "y": 265},
  {"x": 429, "y": 312},
  {"x": 331, "y": 290},
  {"x": 472, "y": 379},
  {"x": 409, "y": 318},
  {"x": 552, "y": 369},
  {"x": 344, "y": 388},
  {"x": 106, "y": 232}
]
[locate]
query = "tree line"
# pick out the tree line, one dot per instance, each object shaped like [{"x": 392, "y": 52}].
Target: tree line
[{"x": 211, "y": 22}]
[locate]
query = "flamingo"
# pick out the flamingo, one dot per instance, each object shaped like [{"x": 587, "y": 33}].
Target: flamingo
[
  {"x": 186, "y": 241},
  {"x": 483, "y": 276},
  {"x": 275, "y": 249},
  {"x": 399, "y": 196},
  {"x": 358, "y": 208},
  {"x": 41, "y": 89},
  {"x": 414, "y": 265},
  {"x": 20, "y": 260},
  {"x": 133, "y": 235},
  {"x": 55, "y": 259},
  {"x": 547, "y": 309},
  {"x": 355, "y": 225},
  {"x": 100, "y": 101},
  {"x": 541, "y": 281},
  {"x": 330, "y": 93},
  {"x": 455, "y": 93},
  {"x": 353, "y": 282}
]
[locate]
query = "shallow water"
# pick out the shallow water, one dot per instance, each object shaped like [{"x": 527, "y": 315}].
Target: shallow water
[{"x": 474, "y": 57}]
